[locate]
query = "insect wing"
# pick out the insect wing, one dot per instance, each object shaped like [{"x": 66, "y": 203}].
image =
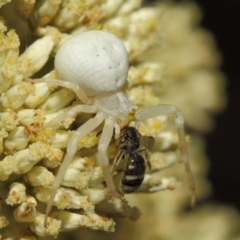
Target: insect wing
[{"x": 148, "y": 142}]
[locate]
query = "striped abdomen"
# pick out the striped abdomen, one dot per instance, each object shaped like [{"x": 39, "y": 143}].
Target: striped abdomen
[{"x": 134, "y": 173}]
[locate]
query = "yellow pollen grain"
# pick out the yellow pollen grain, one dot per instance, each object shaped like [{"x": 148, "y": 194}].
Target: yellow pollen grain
[{"x": 157, "y": 126}]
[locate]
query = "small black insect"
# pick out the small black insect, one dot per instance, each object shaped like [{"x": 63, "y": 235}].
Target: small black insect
[{"x": 133, "y": 152}]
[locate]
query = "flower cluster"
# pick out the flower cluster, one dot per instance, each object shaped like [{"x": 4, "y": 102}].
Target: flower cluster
[{"x": 171, "y": 60}]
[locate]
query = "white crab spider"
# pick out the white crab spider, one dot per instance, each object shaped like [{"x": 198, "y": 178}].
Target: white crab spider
[{"x": 94, "y": 65}]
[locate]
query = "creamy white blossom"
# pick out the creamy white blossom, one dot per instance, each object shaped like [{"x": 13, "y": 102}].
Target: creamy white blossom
[{"x": 171, "y": 61}]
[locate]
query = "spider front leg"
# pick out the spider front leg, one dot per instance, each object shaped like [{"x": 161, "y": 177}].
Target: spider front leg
[
  {"x": 102, "y": 156},
  {"x": 82, "y": 131},
  {"x": 158, "y": 110},
  {"x": 70, "y": 113},
  {"x": 67, "y": 84}
]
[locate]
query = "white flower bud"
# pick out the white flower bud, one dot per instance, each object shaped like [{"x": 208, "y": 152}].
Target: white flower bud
[
  {"x": 146, "y": 73},
  {"x": 64, "y": 123},
  {"x": 6, "y": 75},
  {"x": 17, "y": 194},
  {"x": 36, "y": 55},
  {"x": 22, "y": 161},
  {"x": 15, "y": 96},
  {"x": 60, "y": 138},
  {"x": 12, "y": 44},
  {"x": 71, "y": 221},
  {"x": 3, "y": 222},
  {"x": 44, "y": 12},
  {"x": 16, "y": 140},
  {"x": 129, "y": 6},
  {"x": 9, "y": 49},
  {"x": 52, "y": 162},
  {"x": 167, "y": 140},
  {"x": 51, "y": 156},
  {"x": 26, "y": 211},
  {"x": 30, "y": 116},
  {"x": 25, "y": 8},
  {"x": 163, "y": 160},
  {"x": 18, "y": 163},
  {"x": 109, "y": 7},
  {"x": 8, "y": 120},
  {"x": 57, "y": 100},
  {"x": 96, "y": 177},
  {"x": 95, "y": 195},
  {"x": 42, "y": 91},
  {"x": 64, "y": 198},
  {"x": 57, "y": 138},
  {"x": 52, "y": 229},
  {"x": 143, "y": 96},
  {"x": 41, "y": 150},
  {"x": 6, "y": 167},
  {"x": 39, "y": 176},
  {"x": 71, "y": 13},
  {"x": 139, "y": 31},
  {"x": 82, "y": 163},
  {"x": 75, "y": 178},
  {"x": 78, "y": 201},
  {"x": 167, "y": 184}
]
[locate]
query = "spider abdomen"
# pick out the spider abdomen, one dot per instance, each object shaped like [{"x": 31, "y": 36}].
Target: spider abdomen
[{"x": 95, "y": 60}]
